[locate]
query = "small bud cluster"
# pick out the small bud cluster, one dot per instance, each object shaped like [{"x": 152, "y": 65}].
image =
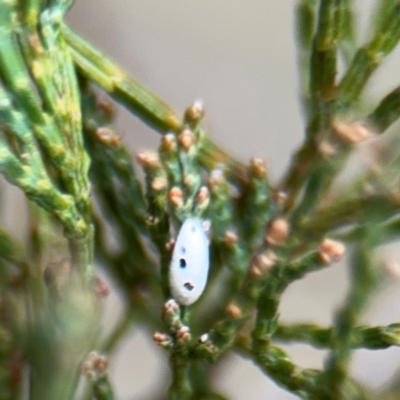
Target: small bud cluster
[
  {"x": 148, "y": 159},
  {"x": 180, "y": 333},
  {"x": 108, "y": 137},
  {"x": 174, "y": 171},
  {"x": 95, "y": 366},
  {"x": 171, "y": 315},
  {"x": 163, "y": 340},
  {"x": 262, "y": 263}
]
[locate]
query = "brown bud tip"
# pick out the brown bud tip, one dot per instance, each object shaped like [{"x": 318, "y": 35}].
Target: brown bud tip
[
  {"x": 351, "y": 132},
  {"x": 107, "y": 137},
  {"x": 148, "y": 159},
  {"x": 262, "y": 263},
  {"x": 159, "y": 183},
  {"x": 195, "y": 112},
  {"x": 107, "y": 108},
  {"x": 162, "y": 339},
  {"x": 101, "y": 288},
  {"x": 234, "y": 311},
  {"x": 186, "y": 139},
  {"x": 231, "y": 237},
  {"x": 331, "y": 251},
  {"x": 258, "y": 167},
  {"x": 168, "y": 142},
  {"x": 216, "y": 178},
  {"x": 255, "y": 272},
  {"x": 171, "y": 307},
  {"x": 280, "y": 196},
  {"x": 183, "y": 335},
  {"x": 203, "y": 196},
  {"x": 176, "y": 196},
  {"x": 277, "y": 232},
  {"x": 169, "y": 246}
]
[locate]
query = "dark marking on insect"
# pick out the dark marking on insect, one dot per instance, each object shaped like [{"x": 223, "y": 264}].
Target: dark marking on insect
[
  {"x": 188, "y": 286},
  {"x": 182, "y": 263}
]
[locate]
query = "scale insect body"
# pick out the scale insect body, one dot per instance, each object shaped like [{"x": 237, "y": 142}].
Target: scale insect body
[{"x": 190, "y": 262}]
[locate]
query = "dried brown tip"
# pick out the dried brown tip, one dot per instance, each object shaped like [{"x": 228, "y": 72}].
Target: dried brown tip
[
  {"x": 101, "y": 288},
  {"x": 331, "y": 251},
  {"x": 95, "y": 365},
  {"x": 176, "y": 196},
  {"x": 186, "y": 139},
  {"x": 168, "y": 142},
  {"x": 195, "y": 112},
  {"x": 108, "y": 137},
  {"x": 233, "y": 311},
  {"x": 277, "y": 232},
  {"x": 148, "y": 159},
  {"x": 351, "y": 133},
  {"x": 258, "y": 167},
  {"x": 159, "y": 183}
]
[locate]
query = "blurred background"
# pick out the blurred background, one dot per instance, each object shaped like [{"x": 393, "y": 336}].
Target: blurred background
[{"x": 239, "y": 57}]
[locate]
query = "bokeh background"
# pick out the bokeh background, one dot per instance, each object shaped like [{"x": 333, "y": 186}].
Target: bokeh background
[{"x": 239, "y": 57}]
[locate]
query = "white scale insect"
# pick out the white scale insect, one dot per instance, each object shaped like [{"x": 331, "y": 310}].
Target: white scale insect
[{"x": 190, "y": 262}]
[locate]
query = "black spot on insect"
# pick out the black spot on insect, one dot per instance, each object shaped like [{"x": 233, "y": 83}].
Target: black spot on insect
[
  {"x": 182, "y": 263},
  {"x": 188, "y": 286}
]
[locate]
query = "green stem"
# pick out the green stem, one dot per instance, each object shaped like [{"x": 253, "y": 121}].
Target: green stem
[
  {"x": 180, "y": 388},
  {"x": 372, "y": 338}
]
